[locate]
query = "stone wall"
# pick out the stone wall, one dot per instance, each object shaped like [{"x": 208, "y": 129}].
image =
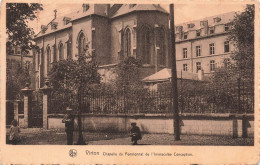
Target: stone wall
[{"x": 201, "y": 124}]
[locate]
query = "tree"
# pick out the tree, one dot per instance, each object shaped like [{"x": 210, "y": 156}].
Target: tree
[
  {"x": 16, "y": 79},
  {"x": 128, "y": 82},
  {"x": 71, "y": 78},
  {"x": 238, "y": 73},
  {"x": 242, "y": 36},
  {"x": 17, "y": 17},
  {"x": 128, "y": 74}
]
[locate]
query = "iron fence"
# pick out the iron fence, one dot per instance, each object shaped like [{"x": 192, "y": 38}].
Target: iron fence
[{"x": 235, "y": 98}]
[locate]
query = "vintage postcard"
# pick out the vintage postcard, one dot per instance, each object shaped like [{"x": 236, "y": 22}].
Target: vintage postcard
[{"x": 129, "y": 82}]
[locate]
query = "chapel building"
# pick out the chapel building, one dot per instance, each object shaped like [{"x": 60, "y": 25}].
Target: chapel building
[{"x": 116, "y": 31}]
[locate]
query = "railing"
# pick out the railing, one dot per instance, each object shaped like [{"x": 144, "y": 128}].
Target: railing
[{"x": 236, "y": 98}]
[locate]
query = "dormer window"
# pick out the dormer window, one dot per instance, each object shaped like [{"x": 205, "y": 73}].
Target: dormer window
[
  {"x": 66, "y": 20},
  {"x": 190, "y": 25},
  {"x": 85, "y": 7},
  {"x": 185, "y": 35},
  {"x": 226, "y": 27},
  {"x": 44, "y": 28},
  {"x": 211, "y": 30},
  {"x": 54, "y": 25},
  {"x": 216, "y": 19},
  {"x": 132, "y": 5},
  {"x": 204, "y": 23}
]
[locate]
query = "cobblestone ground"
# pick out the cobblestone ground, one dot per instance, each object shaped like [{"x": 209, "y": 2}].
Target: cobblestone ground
[{"x": 57, "y": 137}]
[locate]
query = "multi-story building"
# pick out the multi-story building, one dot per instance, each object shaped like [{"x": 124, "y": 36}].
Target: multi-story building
[
  {"x": 204, "y": 44},
  {"x": 121, "y": 30},
  {"x": 16, "y": 59}
]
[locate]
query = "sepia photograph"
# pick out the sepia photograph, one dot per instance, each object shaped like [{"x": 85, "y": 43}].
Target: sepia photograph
[{"x": 121, "y": 74}]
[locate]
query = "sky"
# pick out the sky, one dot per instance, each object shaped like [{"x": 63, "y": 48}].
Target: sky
[{"x": 183, "y": 12}]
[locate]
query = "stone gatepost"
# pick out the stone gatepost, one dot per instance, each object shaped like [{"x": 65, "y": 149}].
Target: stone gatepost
[
  {"x": 46, "y": 102},
  {"x": 27, "y": 93},
  {"x": 16, "y": 117}
]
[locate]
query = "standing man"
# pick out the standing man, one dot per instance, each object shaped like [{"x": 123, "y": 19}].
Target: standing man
[{"x": 69, "y": 125}]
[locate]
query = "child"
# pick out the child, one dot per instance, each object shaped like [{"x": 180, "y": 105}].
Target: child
[
  {"x": 14, "y": 133},
  {"x": 135, "y": 133}
]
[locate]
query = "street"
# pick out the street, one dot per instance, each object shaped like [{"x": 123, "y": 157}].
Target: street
[{"x": 37, "y": 136}]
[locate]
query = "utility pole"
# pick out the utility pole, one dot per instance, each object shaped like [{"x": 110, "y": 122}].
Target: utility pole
[{"x": 174, "y": 78}]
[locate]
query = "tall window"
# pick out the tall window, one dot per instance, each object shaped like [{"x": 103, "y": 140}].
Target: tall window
[
  {"x": 198, "y": 33},
  {"x": 198, "y": 51},
  {"x": 185, "y": 53},
  {"x": 185, "y": 67},
  {"x": 212, "y": 48},
  {"x": 27, "y": 65},
  {"x": 69, "y": 50},
  {"x": 226, "y": 27},
  {"x": 161, "y": 43},
  {"x": 212, "y": 65},
  {"x": 226, "y": 46},
  {"x": 48, "y": 59},
  {"x": 198, "y": 65},
  {"x": 17, "y": 51},
  {"x": 128, "y": 42},
  {"x": 61, "y": 52},
  {"x": 227, "y": 62},
  {"x": 146, "y": 45},
  {"x": 81, "y": 44}
]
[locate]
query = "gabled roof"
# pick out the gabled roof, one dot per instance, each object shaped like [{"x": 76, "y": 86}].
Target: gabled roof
[
  {"x": 73, "y": 16},
  {"x": 128, "y": 8},
  {"x": 166, "y": 74}
]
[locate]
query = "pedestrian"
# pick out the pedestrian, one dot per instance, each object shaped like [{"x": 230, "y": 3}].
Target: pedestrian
[
  {"x": 14, "y": 133},
  {"x": 135, "y": 133},
  {"x": 69, "y": 125}
]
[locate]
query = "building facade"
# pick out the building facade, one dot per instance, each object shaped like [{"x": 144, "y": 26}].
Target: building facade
[
  {"x": 204, "y": 44},
  {"x": 114, "y": 32},
  {"x": 16, "y": 59}
]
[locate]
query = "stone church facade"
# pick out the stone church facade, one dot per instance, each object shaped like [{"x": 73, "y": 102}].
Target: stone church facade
[
  {"x": 112, "y": 31},
  {"x": 116, "y": 31}
]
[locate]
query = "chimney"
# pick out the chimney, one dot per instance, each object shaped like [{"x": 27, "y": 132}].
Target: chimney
[{"x": 201, "y": 75}]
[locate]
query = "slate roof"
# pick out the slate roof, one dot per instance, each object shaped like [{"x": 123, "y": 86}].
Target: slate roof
[
  {"x": 101, "y": 11},
  {"x": 125, "y": 9},
  {"x": 225, "y": 18}
]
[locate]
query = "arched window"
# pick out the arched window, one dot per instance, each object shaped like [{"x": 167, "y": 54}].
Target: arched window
[
  {"x": 48, "y": 50},
  {"x": 61, "y": 52},
  {"x": 162, "y": 55},
  {"x": 146, "y": 45},
  {"x": 81, "y": 43},
  {"x": 128, "y": 42}
]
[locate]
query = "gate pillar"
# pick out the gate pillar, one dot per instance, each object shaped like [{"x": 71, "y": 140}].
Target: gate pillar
[
  {"x": 15, "y": 102},
  {"x": 27, "y": 97},
  {"x": 46, "y": 103}
]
